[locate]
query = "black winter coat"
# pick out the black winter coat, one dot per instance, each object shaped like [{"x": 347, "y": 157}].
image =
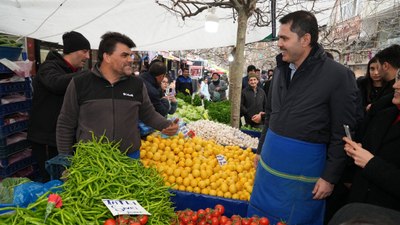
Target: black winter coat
[
  {"x": 155, "y": 94},
  {"x": 252, "y": 103},
  {"x": 49, "y": 86},
  {"x": 379, "y": 182},
  {"x": 313, "y": 106}
]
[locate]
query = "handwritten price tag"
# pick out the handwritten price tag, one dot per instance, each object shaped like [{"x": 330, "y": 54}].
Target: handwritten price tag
[
  {"x": 221, "y": 160},
  {"x": 124, "y": 207}
]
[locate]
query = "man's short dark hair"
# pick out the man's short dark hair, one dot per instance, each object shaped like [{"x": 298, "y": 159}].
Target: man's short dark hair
[
  {"x": 108, "y": 42},
  {"x": 257, "y": 70},
  {"x": 390, "y": 55},
  {"x": 302, "y": 22},
  {"x": 251, "y": 68},
  {"x": 157, "y": 68}
]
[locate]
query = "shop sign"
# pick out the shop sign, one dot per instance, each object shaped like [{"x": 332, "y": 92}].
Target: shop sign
[{"x": 124, "y": 207}]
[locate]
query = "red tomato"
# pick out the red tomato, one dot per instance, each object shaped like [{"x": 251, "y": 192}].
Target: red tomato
[
  {"x": 202, "y": 222},
  {"x": 223, "y": 219},
  {"x": 194, "y": 217},
  {"x": 281, "y": 223},
  {"x": 263, "y": 221},
  {"x": 134, "y": 223},
  {"x": 214, "y": 221},
  {"x": 208, "y": 210},
  {"x": 143, "y": 219},
  {"x": 220, "y": 208},
  {"x": 201, "y": 213},
  {"x": 185, "y": 219},
  {"x": 122, "y": 220},
  {"x": 215, "y": 213},
  {"x": 245, "y": 221},
  {"x": 110, "y": 222}
]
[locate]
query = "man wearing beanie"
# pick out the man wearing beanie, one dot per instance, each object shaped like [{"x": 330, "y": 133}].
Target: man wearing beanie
[
  {"x": 253, "y": 102},
  {"x": 152, "y": 79},
  {"x": 49, "y": 86}
]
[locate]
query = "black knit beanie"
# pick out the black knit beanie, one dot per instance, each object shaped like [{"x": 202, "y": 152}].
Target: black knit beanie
[{"x": 74, "y": 41}]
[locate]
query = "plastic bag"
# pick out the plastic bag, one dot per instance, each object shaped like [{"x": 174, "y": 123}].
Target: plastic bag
[{"x": 27, "y": 193}]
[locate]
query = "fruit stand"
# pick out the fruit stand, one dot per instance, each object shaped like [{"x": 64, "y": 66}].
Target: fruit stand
[{"x": 175, "y": 175}]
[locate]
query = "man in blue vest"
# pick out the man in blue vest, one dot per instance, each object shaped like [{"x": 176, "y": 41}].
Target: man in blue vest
[{"x": 301, "y": 155}]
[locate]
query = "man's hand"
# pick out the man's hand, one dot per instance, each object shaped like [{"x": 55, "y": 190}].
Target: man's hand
[
  {"x": 171, "y": 130},
  {"x": 256, "y": 159},
  {"x": 258, "y": 117},
  {"x": 322, "y": 189}
]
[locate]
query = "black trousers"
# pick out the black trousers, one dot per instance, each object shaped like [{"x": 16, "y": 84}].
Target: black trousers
[{"x": 42, "y": 153}]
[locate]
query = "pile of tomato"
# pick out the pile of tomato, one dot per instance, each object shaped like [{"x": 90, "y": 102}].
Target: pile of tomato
[
  {"x": 216, "y": 216},
  {"x": 128, "y": 220}
]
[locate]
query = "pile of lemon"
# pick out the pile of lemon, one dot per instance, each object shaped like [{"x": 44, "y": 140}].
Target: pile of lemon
[{"x": 190, "y": 164}]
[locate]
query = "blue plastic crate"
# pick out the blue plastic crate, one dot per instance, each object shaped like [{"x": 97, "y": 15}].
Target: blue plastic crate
[
  {"x": 11, "y": 87},
  {"x": 11, "y": 169},
  {"x": 186, "y": 200},
  {"x": 11, "y": 108},
  {"x": 8, "y": 150},
  {"x": 13, "y": 128},
  {"x": 4, "y": 69},
  {"x": 10, "y": 53},
  {"x": 252, "y": 133},
  {"x": 55, "y": 166}
]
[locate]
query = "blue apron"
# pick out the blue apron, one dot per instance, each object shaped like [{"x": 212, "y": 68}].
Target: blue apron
[{"x": 286, "y": 175}]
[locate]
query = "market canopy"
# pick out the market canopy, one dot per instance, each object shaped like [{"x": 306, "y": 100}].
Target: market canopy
[{"x": 149, "y": 25}]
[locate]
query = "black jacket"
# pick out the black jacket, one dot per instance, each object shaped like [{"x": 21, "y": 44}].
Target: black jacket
[
  {"x": 92, "y": 104},
  {"x": 49, "y": 86},
  {"x": 368, "y": 95},
  {"x": 155, "y": 94},
  {"x": 378, "y": 183},
  {"x": 252, "y": 103},
  {"x": 313, "y": 107}
]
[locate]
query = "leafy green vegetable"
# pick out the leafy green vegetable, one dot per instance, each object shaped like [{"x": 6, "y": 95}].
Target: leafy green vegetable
[{"x": 220, "y": 111}]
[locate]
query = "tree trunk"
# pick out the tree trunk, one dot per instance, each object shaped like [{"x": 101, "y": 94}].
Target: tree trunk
[{"x": 236, "y": 69}]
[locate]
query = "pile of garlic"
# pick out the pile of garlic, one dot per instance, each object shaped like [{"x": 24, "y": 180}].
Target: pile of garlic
[{"x": 222, "y": 134}]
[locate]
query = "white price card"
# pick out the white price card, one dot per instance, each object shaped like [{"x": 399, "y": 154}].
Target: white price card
[
  {"x": 125, "y": 207},
  {"x": 221, "y": 160}
]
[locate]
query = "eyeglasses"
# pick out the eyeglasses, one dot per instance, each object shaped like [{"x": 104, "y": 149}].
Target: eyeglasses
[{"x": 164, "y": 82}]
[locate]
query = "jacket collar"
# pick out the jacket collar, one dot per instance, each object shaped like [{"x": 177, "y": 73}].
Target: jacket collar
[
  {"x": 149, "y": 78},
  {"x": 96, "y": 71},
  {"x": 317, "y": 54}
]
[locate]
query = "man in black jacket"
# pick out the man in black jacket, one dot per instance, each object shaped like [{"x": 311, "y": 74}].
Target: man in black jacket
[
  {"x": 253, "y": 102},
  {"x": 49, "y": 86},
  {"x": 152, "y": 79},
  {"x": 310, "y": 98}
]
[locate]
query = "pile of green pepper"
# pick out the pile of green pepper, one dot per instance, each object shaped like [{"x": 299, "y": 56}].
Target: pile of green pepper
[{"x": 100, "y": 171}]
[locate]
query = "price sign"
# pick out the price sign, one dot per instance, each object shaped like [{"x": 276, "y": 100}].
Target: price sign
[
  {"x": 124, "y": 207},
  {"x": 221, "y": 160}
]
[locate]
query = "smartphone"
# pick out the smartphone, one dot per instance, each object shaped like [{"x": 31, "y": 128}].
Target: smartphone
[{"x": 347, "y": 131}]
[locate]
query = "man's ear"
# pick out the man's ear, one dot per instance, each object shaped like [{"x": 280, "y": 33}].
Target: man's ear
[
  {"x": 106, "y": 57},
  {"x": 305, "y": 40}
]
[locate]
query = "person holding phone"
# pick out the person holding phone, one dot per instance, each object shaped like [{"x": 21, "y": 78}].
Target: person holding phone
[
  {"x": 377, "y": 157},
  {"x": 168, "y": 100}
]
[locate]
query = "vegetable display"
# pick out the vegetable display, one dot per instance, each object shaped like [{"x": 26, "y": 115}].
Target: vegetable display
[
  {"x": 192, "y": 165},
  {"x": 216, "y": 216},
  {"x": 9, "y": 42},
  {"x": 189, "y": 112},
  {"x": 220, "y": 111},
  {"x": 100, "y": 171},
  {"x": 222, "y": 134}
]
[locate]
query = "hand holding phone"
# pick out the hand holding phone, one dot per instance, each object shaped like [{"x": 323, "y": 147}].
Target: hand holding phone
[{"x": 347, "y": 131}]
